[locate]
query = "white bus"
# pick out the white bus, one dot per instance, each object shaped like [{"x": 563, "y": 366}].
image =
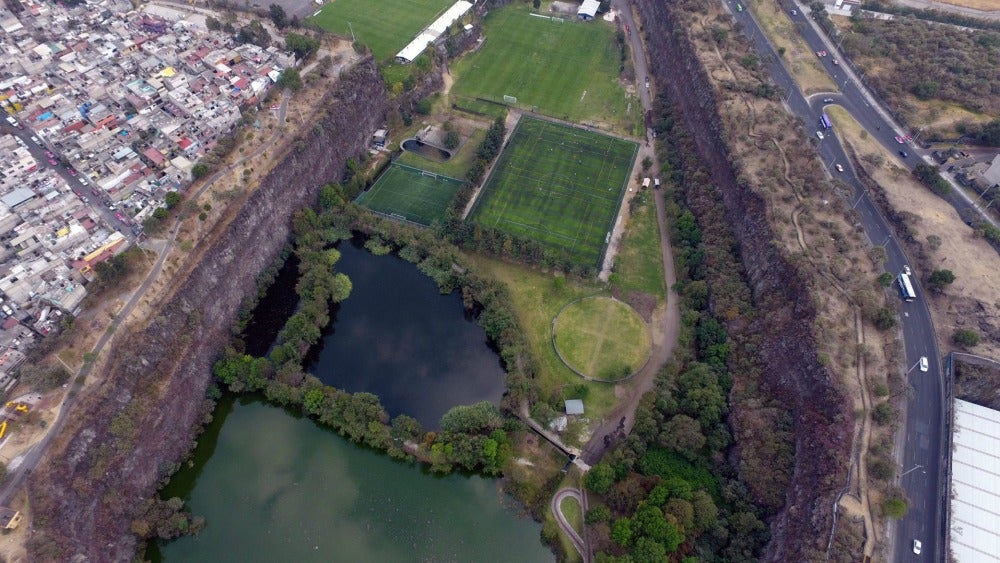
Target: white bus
[{"x": 906, "y": 288}]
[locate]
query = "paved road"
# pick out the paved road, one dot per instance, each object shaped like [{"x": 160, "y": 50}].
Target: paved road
[
  {"x": 923, "y": 452},
  {"x": 30, "y": 458},
  {"x": 868, "y": 110},
  {"x": 578, "y": 542},
  {"x": 93, "y": 197}
]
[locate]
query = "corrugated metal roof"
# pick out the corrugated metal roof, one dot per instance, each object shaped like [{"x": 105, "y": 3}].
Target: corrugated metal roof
[
  {"x": 975, "y": 484},
  {"x": 433, "y": 31}
]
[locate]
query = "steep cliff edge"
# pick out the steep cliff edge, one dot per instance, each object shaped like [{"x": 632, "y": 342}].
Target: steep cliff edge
[
  {"x": 140, "y": 418},
  {"x": 788, "y": 349}
]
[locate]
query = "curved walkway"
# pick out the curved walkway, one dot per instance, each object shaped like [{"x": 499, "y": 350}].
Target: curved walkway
[{"x": 579, "y": 542}]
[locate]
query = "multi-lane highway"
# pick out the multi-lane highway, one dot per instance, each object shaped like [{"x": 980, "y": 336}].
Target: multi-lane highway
[{"x": 922, "y": 455}]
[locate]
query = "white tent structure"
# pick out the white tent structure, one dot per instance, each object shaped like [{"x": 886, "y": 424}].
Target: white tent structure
[
  {"x": 975, "y": 497},
  {"x": 433, "y": 31}
]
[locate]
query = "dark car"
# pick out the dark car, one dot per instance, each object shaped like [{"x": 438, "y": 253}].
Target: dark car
[{"x": 904, "y": 154}]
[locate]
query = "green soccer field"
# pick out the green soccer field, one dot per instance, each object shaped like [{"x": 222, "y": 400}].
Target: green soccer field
[
  {"x": 386, "y": 26},
  {"x": 567, "y": 70},
  {"x": 558, "y": 185},
  {"x": 410, "y": 193}
]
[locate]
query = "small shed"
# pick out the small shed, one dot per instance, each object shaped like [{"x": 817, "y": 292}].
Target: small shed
[
  {"x": 588, "y": 10},
  {"x": 574, "y": 406},
  {"x": 379, "y": 137}
]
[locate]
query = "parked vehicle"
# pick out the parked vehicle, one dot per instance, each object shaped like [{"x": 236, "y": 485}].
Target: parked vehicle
[
  {"x": 820, "y": 135},
  {"x": 924, "y": 364},
  {"x": 840, "y": 168}
]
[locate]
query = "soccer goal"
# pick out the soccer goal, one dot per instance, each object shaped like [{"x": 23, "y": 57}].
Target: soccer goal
[
  {"x": 509, "y": 99},
  {"x": 428, "y": 174}
]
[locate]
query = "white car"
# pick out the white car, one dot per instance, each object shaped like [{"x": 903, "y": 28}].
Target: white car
[
  {"x": 820, "y": 135},
  {"x": 840, "y": 168},
  {"x": 916, "y": 547},
  {"x": 924, "y": 365},
  {"x": 906, "y": 270}
]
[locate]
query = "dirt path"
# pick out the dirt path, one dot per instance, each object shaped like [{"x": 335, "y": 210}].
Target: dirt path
[
  {"x": 665, "y": 330},
  {"x": 858, "y": 476},
  {"x": 665, "y": 327}
]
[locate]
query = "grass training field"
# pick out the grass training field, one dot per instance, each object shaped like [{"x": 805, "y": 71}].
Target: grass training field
[
  {"x": 567, "y": 70},
  {"x": 602, "y": 338},
  {"x": 410, "y": 193},
  {"x": 558, "y": 185},
  {"x": 386, "y": 26}
]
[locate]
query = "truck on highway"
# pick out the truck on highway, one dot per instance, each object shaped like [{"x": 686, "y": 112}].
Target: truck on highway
[{"x": 905, "y": 287}]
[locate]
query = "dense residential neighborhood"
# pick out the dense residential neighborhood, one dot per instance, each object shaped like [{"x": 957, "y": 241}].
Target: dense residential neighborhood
[{"x": 106, "y": 110}]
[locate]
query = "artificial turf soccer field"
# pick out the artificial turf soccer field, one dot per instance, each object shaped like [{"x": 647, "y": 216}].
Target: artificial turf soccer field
[
  {"x": 410, "y": 193},
  {"x": 566, "y": 70},
  {"x": 558, "y": 185},
  {"x": 386, "y": 26}
]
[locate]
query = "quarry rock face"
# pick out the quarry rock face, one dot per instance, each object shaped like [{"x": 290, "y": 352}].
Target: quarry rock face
[
  {"x": 84, "y": 493},
  {"x": 793, "y": 375}
]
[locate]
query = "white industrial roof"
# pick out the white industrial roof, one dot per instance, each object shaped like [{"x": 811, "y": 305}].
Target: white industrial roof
[
  {"x": 589, "y": 8},
  {"x": 434, "y": 30},
  {"x": 975, "y": 483}
]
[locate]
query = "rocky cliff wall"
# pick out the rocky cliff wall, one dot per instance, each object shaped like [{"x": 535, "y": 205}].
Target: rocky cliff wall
[
  {"x": 140, "y": 419},
  {"x": 793, "y": 375}
]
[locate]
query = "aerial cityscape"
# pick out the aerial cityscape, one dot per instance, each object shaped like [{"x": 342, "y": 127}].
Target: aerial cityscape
[{"x": 500, "y": 280}]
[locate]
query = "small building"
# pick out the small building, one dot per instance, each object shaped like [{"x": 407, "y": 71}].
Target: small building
[
  {"x": 992, "y": 173},
  {"x": 9, "y": 518},
  {"x": 574, "y": 406},
  {"x": 379, "y": 138},
  {"x": 588, "y": 10}
]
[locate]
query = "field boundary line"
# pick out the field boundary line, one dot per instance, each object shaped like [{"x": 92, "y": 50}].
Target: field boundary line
[{"x": 618, "y": 209}]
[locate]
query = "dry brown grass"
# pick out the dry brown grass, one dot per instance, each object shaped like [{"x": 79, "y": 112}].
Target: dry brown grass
[
  {"x": 984, "y": 5},
  {"x": 974, "y": 298}
]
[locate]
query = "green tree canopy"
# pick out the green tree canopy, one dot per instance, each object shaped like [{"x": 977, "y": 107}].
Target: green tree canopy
[{"x": 939, "y": 279}]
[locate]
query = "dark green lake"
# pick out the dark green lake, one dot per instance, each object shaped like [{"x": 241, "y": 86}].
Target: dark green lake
[{"x": 274, "y": 486}]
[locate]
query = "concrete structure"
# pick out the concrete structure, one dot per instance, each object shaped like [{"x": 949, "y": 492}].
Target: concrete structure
[
  {"x": 433, "y": 31},
  {"x": 574, "y": 406},
  {"x": 975, "y": 484}
]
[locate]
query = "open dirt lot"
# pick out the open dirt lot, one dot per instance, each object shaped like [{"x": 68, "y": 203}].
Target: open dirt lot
[{"x": 973, "y": 301}]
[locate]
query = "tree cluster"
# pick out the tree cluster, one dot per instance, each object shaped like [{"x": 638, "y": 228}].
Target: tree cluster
[
  {"x": 931, "y": 62},
  {"x": 303, "y": 45},
  {"x": 254, "y": 32},
  {"x": 930, "y": 176},
  {"x": 471, "y": 437}
]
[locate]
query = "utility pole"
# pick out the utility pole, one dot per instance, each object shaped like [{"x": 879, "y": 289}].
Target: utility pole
[{"x": 351, "y": 27}]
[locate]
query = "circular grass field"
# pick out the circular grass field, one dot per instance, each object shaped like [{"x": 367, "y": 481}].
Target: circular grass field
[{"x": 601, "y": 338}]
